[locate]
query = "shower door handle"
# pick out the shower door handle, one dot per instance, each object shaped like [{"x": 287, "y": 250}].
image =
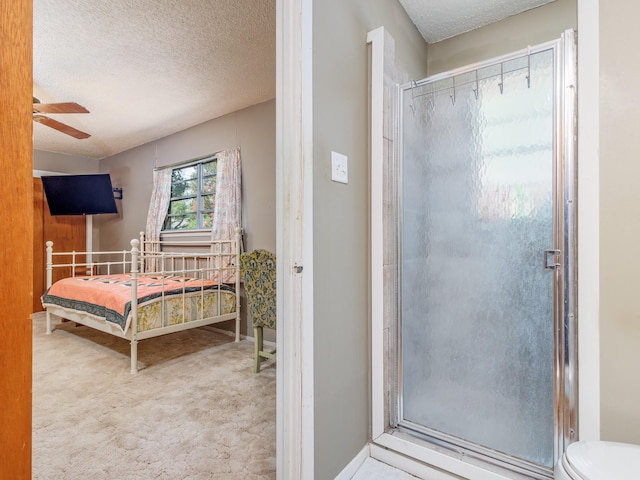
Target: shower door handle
[{"x": 549, "y": 261}]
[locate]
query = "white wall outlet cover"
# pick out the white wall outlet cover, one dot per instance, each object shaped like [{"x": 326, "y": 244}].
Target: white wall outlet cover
[{"x": 339, "y": 168}]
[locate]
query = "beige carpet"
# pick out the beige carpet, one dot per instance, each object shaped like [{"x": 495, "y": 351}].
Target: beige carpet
[{"x": 195, "y": 410}]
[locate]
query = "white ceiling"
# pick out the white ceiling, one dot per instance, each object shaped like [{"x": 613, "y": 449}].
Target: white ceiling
[
  {"x": 147, "y": 69},
  {"x": 441, "y": 19}
]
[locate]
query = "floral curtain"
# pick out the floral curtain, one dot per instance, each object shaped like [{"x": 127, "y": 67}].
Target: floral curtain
[
  {"x": 158, "y": 207},
  {"x": 228, "y": 204}
]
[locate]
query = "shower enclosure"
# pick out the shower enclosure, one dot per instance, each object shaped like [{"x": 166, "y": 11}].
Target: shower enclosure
[{"x": 485, "y": 338}]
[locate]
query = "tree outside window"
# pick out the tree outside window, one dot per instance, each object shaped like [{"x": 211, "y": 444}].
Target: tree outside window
[{"x": 193, "y": 192}]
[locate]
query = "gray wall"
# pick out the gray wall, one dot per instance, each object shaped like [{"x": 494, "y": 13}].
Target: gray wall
[
  {"x": 252, "y": 129},
  {"x": 340, "y": 217},
  {"x": 619, "y": 223},
  {"x": 62, "y": 163},
  {"x": 536, "y": 26}
]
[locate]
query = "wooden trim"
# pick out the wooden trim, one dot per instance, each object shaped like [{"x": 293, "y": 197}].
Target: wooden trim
[
  {"x": 376, "y": 38},
  {"x": 38, "y": 244},
  {"x": 589, "y": 259},
  {"x": 16, "y": 238}
]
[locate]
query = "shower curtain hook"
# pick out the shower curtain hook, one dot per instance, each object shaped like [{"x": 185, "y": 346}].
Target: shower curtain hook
[
  {"x": 411, "y": 105},
  {"x": 529, "y": 66},
  {"x": 501, "y": 84},
  {"x": 453, "y": 96},
  {"x": 477, "y": 89}
]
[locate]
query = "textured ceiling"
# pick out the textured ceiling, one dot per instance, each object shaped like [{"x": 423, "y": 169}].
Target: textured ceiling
[
  {"x": 441, "y": 19},
  {"x": 148, "y": 68}
]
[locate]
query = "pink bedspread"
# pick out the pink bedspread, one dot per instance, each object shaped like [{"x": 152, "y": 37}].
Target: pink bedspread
[{"x": 109, "y": 296}]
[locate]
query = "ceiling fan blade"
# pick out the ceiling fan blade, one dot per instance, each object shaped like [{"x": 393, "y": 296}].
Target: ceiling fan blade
[
  {"x": 65, "y": 107},
  {"x": 61, "y": 127}
]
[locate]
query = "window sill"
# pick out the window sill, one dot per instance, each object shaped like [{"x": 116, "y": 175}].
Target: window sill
[
  {"x": 200, "y": 231},
  {"x": 185, "y": 235}
]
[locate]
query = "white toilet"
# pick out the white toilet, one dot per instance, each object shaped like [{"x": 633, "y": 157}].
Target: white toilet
[{"x": 599, "y": 461}]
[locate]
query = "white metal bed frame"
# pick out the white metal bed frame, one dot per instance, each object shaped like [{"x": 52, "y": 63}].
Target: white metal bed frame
[{"x": 195, "y": 262}]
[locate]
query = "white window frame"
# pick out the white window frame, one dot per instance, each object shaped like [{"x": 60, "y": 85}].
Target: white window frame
[{"x": 200, "y": 210}]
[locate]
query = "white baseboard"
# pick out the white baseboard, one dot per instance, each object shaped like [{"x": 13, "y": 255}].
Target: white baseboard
[
  {"x": 350, "y": 470},
  {"x": 265, "y": 343},
  {"x": 248, "y": 338},
  {"x": 229, "y": 333}
]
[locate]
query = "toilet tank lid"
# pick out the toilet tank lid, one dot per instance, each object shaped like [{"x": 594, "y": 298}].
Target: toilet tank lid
[{"x": 604, "y": 460}]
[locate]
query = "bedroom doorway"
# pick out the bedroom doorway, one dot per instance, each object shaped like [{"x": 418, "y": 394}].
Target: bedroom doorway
[{"x": 486, "y": 318}]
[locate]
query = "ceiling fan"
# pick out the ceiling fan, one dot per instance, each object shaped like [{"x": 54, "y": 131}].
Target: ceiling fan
[{"x": 66, "y": 107}]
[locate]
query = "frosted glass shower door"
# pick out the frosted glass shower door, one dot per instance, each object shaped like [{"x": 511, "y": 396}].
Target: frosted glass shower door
[{"x": 478, "y": 182}]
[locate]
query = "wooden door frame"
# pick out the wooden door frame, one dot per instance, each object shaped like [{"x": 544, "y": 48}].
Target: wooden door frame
[
  {"x": 16, "y": 238},
  {"x": 294, "y": 230}
]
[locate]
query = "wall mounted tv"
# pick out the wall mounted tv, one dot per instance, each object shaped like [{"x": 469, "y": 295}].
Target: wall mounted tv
[{"x": 79, "y": 194}]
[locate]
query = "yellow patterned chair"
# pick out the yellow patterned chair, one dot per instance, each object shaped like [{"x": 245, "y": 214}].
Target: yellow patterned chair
[{"x": 259, "y": 271}]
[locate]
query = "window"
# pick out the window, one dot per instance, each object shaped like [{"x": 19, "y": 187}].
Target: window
[{"x": 193, "y": 194}]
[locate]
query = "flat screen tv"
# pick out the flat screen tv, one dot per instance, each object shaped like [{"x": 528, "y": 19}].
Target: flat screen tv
[{"x": 79, "y": 194}]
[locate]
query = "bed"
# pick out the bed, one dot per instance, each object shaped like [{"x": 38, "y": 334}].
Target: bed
[{"x": 152, "y": 289}]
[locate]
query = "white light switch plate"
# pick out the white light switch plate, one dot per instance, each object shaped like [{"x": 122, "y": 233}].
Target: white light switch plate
[{"x": 339, "y": 168}]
